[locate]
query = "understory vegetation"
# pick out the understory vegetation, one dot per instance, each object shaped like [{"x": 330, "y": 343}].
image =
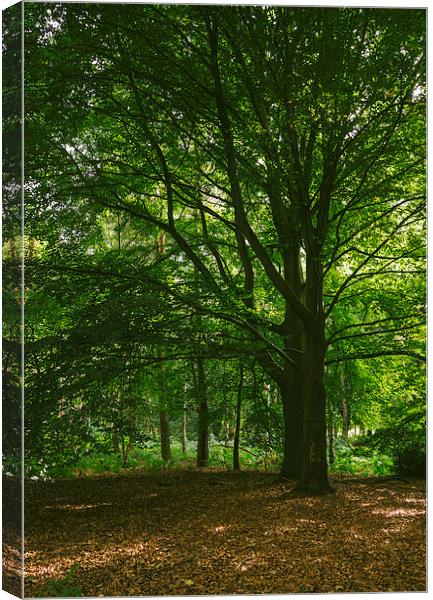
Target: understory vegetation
[{"x": 357, "y": 457}]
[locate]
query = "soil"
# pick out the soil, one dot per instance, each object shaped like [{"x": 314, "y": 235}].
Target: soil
[{"x": 207, "y": 531}]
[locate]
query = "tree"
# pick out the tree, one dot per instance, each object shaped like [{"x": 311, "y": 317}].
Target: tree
[{"x": 280, "y": 150}]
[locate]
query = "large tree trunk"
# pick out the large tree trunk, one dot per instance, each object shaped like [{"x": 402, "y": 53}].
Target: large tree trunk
[
  {"x": 236, "y": 463},
  {"x": 314, "y": 478},
  {"x": 291, "y": 395},
  {"x": 203, "y": 415}
]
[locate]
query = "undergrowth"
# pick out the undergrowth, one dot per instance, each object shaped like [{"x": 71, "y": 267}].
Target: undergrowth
[
  {"x": 350, "y": 458},
  {"x": 149, "y": 459},
  {"x": 363, "y": 460}
]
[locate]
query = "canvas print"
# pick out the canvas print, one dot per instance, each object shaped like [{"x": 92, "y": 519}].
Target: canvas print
[{"x": 214, "y": 247}]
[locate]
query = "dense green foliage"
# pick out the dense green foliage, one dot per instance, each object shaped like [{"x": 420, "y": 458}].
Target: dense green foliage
[{"x": 225, "y": 228}]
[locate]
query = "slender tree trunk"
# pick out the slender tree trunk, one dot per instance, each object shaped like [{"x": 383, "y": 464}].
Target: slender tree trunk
[
  {"x": 114, "y": 440},
  {"x": 345, "y": 406},
  {"x": 345, "y": 415},
  {"x": 163, "y": 419},
  {"x": 126, "y": 448},
  {"x": 165, "y": 434},
  {"x": 331, "y": 452},
  {"x": 163, "y": 410},
  {"x": 203, "y": 415},
  {"x": 236, "y": 463},
  {"x": 184, "y": 439}
]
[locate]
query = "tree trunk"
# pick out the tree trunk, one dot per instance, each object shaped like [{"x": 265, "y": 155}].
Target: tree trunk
[
  {"x": 165, "y": 434},
  {"x": 203, "y": 415},
  {"x": 124, "y": 452},
  {"x": 331, "y": 452},
  {"x": 314, "y": 478},
  {"x": 115, "y": 441},
  {"x": 345, "y": 415},
  {"x": 291, "y": 383},
  {"x": 163, "y": 420},
  {"x": 345, "y": 406},
  {"x": 163, "y": 412},
  {"x": 184, "y": 439},
  {"x": 236, "y": 463},
  {"x": 291, "y": 395}
]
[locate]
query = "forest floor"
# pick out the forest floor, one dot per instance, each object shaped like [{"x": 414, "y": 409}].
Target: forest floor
[{"x": 208, "y": 531}]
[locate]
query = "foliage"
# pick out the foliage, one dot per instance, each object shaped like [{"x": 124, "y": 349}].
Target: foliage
[
  {"x": 361, "y": 460},
  {"x": 407, "y": 448}
]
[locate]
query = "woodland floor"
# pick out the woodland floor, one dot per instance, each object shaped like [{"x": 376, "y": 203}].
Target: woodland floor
[{"x": 213, "y": 532}]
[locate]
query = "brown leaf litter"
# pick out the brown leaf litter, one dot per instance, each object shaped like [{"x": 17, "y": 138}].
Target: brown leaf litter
[{"x": 208, "y": 531}]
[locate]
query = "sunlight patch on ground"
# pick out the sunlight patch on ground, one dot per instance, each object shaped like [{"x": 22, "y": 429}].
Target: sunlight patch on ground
[
  {"x": 219, "y": 529},
  {"x": 248, "y": 562},
  {"x": 398, "y": 512},
  {"x": 412, "y": 500},
  {"x": 11, "y": 559},
  {"x": 56, "y": 568},
  {"x": 312, "y": 521},
  {"x": 76, "y": 506},
  {"x": 280, "y": 530}
]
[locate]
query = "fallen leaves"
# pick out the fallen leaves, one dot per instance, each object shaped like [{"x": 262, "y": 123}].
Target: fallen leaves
[{"x": 210, "y": 532}]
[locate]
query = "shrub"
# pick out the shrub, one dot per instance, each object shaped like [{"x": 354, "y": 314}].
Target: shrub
[
  {"x": 406, "y": 445},
  {"x": 410, "y": 460}
]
